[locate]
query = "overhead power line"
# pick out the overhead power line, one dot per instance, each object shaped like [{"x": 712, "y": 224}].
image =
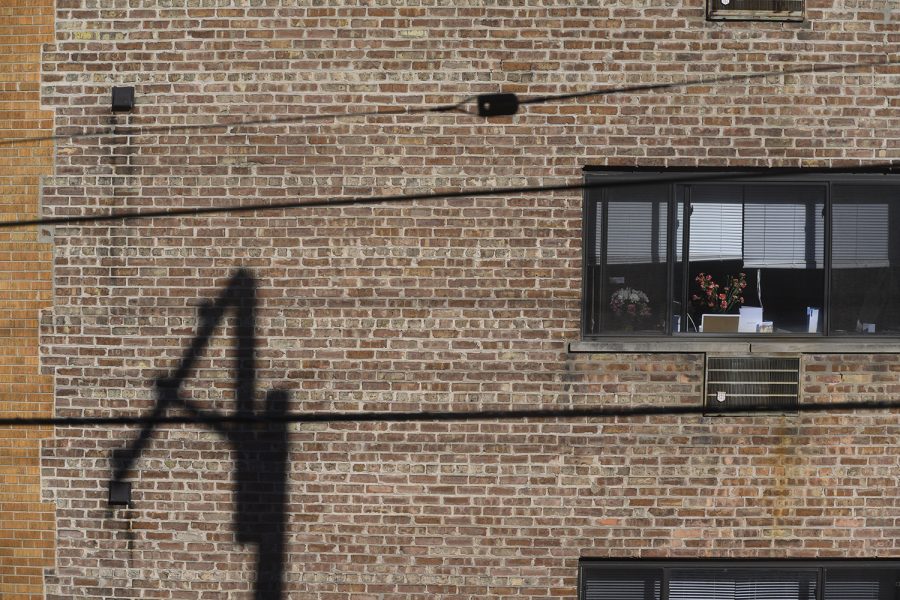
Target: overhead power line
[
  {"x": 826, "y": 68},
  {"x": 487, "y": 105},
  {"x": 136, "y": 130},
  {"x": 403, "y": 198},
  {"x": 602, "y": 412}
]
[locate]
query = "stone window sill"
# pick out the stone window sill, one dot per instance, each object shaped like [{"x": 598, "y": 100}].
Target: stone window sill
[{"x": 698, "y": 344}]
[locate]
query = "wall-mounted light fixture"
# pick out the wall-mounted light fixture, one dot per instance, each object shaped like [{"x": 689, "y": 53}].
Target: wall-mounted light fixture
[
  {"x": 119, "y": 493},
  {"x": 122, "y": 99}
]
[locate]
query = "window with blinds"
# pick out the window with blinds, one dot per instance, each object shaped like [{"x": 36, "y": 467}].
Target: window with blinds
[
  {"x": 812, "y": 256},
  {"x": 716, "y": 231},
  {"x": 627, "y": 260},
  {"x": 777, "y": 236},
  {"x": 771, "y": 239},
  {"x": 764, "y": 226},
  {"x": 623, "y": 584},
  {"x": 860, "y": 236},
  {"x": 745, "y": 584},
  {"x": 739, "y": 580},
  {"x": 853, "y": 584},
  {"x": 635, "y": 224},
  {"x": 865, "y": 259}
]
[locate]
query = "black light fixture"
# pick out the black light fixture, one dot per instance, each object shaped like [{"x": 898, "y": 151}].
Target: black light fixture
[
  {"x": 122, "y": 99},
  {"x": 119, "y": 493},
  {"x": 497, "y": 105}
]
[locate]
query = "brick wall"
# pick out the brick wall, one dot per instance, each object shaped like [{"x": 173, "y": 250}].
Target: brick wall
[
  {"x": 26, "y": 524},
  {"x": 445, "y": 305}
]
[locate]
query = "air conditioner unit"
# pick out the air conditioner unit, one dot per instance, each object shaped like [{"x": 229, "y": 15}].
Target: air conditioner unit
[
  {"x": 770, "y": 383},
  {"x": 754, "y": 10}
]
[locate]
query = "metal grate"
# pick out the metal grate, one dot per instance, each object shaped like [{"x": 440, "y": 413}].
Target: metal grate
[
  {"x": 752, "y": 382},
  {"x": 755, "y": 9}
]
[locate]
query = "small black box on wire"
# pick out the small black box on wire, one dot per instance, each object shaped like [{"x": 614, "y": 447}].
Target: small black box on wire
[
  {"x": 119, "y": 493},
  {"x": 122, "y": 99}
]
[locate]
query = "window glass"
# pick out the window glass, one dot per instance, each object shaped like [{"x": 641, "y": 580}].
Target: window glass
[
  {"x": 744, "y": 257},
  {"x": 736, "y": 584},
  {"x": 623, "y": 584},
  {"x": 754, "y": 260},
  {"x": 865, "y": 260},
  {"x": 844, "y": 580},
  {"x": 857, "y": 584},
  {"x": 631, "y": 243}
]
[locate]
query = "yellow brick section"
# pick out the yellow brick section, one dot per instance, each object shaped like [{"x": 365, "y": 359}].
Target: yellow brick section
[{"x": 26, "y": 525}]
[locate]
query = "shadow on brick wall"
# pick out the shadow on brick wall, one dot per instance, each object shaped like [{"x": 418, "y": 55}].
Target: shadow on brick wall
[{"x": 260, "y": 449}]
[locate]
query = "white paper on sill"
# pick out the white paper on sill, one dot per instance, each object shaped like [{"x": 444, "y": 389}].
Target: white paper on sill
[
  {"x": 751, "y": 316},
  {"x": 812, "y": 316}
]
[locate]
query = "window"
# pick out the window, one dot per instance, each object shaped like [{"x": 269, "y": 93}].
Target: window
[
  {"x": 812, "y": 256},
  {"x": 738, "y": 580},
  {"x": 754, "y": 10}
]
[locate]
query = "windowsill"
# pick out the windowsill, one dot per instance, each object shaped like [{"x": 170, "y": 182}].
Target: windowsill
[{"x": 693, "y": 344}]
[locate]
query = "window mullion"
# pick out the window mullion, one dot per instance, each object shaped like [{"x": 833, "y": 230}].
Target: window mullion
[
  {"x": 672, "y": 225},
  {"x": 826, "y": 263},
  {"x": 685, "y": 255}
]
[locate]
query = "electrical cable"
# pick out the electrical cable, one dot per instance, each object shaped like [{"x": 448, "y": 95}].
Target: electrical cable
[
  {"x": 362, "y": 201},
  {"x": 772, "y": 172},
  {"x": 439, "y": 416},
  {"x": 828, "y": 68},
  {"x": 129, "y": 130},
  {"x": 508, "y": 105}
]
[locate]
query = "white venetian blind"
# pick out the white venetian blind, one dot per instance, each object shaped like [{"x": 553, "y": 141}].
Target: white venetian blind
[
  {"x": 784, "y": 227},
  {"x": 716, "y": 223},
  {"x": 623, "y": 584},
  {"x": 853, "y": 590},
  {"x": 855, "y": 584},
  {"x": 859, "y": 235},
  {"x": 716, "y": 231},
  {"x": 636, "y": 226},
  {"x": 701, "y": 584}
]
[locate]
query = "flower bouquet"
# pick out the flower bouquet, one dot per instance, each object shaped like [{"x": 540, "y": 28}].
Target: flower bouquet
[
  {"x": 720, "y": 299},
  {"x": 630, "y": 306}
]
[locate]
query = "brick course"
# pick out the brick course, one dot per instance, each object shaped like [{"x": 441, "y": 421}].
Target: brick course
[{"x": 444, "y": 305}]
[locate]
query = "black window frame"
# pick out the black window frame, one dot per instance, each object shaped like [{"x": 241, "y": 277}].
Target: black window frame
[
  {"x": 598, "y": 179},
  {"x": 763, "y": 565}
]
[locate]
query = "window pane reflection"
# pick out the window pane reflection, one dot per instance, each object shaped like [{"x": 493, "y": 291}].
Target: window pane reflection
[
  {"x": 865, "y": 278},
  {"x": 631, "y": 242}
]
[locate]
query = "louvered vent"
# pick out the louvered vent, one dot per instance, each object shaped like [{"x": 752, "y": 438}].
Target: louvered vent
[
  {"x": 782, "y": 10},
  {"x": 734, "y": 383}
]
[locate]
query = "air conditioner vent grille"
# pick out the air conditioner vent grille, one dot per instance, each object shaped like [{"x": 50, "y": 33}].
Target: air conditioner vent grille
[
  {"x": 734, "y": 383},
  {"x": 787, "y": 10}
]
